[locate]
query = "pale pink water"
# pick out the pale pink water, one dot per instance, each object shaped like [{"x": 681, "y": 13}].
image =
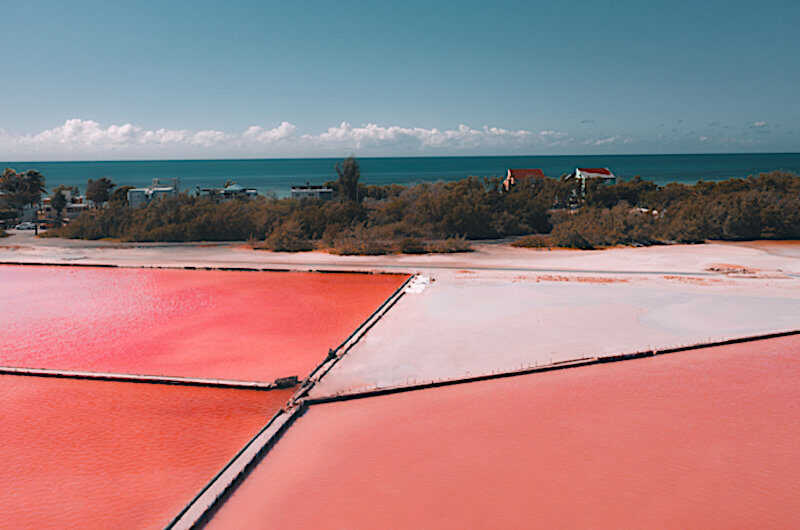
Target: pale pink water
[
  {"x": 96, "y": 454},
  {"x": 707, "y": 439},
  {"x": 211, "y": 324}
]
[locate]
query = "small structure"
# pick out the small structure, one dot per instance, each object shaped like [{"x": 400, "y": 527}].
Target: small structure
[
  {"x": 518, "y": 175},
  {"x": 74, "y": 207},
  {"x": 158, "y": 189},
  {"x": 582, "y": 174},
  {"x": 312, "y": 192},
  {"x": 231, "y": 191}
]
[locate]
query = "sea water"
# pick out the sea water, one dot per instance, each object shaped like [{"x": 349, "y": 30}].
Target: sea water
[{"x": 279, "y": 175}]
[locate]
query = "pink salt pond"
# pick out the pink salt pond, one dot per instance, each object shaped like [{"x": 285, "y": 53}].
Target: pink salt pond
[
  {"x": 207, "y": 324},
  {"x": 707, "y": 438},
  {"x": 98, "y": 454}
]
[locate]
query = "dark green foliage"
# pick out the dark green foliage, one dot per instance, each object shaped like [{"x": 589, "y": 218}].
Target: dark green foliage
[
  {"x": 98, "y": 191},
  {"x": 288, "y": 237},
  {"x": 120, "y": 195},
  {"x": 58, "y": 201},
  {"x": 434, "y": 217},
  {"x": 533, "y": 241},
  {"x": 412, "y": 245},
  {"x": 20, "y": 189},
  {"x": 347, "y": 184}
]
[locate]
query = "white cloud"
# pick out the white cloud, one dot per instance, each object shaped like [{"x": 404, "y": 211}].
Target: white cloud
[
  {"x": 604, "y": 141},
  {"x": 77, "y": 138}
]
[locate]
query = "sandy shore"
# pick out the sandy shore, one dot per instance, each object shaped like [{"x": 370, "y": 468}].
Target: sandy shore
[
  {"x": 777, "y": 258},
  {"x": 501, "y": 308}
]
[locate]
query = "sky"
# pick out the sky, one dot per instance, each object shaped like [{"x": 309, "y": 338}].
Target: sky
[{"x": 97, "y": 80}]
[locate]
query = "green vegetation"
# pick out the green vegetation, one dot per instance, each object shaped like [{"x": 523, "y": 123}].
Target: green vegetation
[
  {"x": 19, "y": 190},
  {"x": 99, "y": 191},
  {"x": 443, "y": 217}
]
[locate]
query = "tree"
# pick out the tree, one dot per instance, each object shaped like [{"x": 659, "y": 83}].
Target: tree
[
  {"x": 120, "y": 195},
  {"x": 21, "y": 189},
  {"x": 349, "y": 174},
  {"x": 58, "y": 201},
  {"x": 98, "y": 191}
]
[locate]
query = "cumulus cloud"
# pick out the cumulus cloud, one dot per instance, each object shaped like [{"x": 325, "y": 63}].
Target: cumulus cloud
[{"x": 88, "y": 138}]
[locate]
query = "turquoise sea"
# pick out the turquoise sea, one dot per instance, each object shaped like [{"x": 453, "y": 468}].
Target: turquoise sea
[{"x": 279, "y": 175}]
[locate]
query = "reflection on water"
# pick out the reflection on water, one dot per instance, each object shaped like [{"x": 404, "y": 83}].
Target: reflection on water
[
  {"x": 214, "y": 324},
  {"x": 92, "y": 454},
  {"x": 698, "y": 439}
]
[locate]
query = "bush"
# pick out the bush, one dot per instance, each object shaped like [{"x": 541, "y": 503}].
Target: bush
[
  {"x": 533, "y": 241},
  {"x": 3, "y": 233},
  {"x": 288, "y": 237},
  {"x": 450, "y": 246},
  {"x": 359, "y": 241},
  {"x": 412, "y": 245}
]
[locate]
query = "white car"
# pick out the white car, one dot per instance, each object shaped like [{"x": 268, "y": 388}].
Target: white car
[{"x": 27, "y": 225}]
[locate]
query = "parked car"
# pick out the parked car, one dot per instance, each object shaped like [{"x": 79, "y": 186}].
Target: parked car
[{"x": 27, "y": 225}]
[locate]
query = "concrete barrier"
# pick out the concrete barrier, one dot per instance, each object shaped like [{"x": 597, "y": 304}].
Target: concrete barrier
[{"x": 281, "y": 382}]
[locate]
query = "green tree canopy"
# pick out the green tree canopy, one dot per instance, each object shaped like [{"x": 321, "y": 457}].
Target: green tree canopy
[
  {"x": 58, "y": 201},
  {"x": 99, "y": 191},
  {"x": 349, "y": 173},
  {"x": 120, "y": 195},
  {"x": 21, "y": 189}
]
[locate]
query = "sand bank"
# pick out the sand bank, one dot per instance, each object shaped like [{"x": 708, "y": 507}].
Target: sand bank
[{"x": 23, "y": 247}]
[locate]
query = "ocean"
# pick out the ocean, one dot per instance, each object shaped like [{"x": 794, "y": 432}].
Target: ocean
[{"x": 278, "y": 175}]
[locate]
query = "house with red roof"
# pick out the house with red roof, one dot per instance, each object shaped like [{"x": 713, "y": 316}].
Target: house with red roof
[
  {"x": 582, "y": 174},
  {"x": 517, "y": 175}
]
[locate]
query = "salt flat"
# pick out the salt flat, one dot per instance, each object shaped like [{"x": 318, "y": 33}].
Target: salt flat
[
  {"x": 473, "y": 324},
  {"x": 501, "y": 308}
]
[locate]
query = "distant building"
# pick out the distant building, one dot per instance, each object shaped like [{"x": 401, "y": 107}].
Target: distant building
[
  {"x": 518, "y": 175},
  {"x": 231, "y": 191},
  {"x": 75, "y": 206},
  {"x": 312, "y": 192},
  {"x": 159, "y": 189},
  {"x": 582, "y": 174}
]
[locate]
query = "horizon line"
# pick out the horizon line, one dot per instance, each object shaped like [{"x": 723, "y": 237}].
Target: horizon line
[{"x": 253, "y": 159}]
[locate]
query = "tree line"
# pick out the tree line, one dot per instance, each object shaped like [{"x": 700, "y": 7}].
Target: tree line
[
  {"x": 444, "y": 216},
  {"x": 21, "y": 190}
]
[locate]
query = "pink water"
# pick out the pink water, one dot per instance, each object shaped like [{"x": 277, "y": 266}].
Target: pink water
[
  {"x": 212, "y": 324},
  {"x": 95, "y": 454},
  {"x": 707, "y": 439}
]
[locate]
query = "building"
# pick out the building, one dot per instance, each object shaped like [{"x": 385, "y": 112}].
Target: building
[
  {"x": 231, "y": 191},
  {"x": 582, "y": 174},
  {"x": 518, "y": 175},
  {"x": 75, "y": 206},
  {"x": 312, "y": 192},
  {"x": 159, "y": 189}
]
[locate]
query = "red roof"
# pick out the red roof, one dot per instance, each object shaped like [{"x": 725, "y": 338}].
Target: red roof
[
  {"x": 525, "y": 173},
  {"x": 596, "y": 170}
]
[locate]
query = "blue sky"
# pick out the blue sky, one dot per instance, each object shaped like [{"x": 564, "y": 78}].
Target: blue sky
[{"x": 165, "y": 79}]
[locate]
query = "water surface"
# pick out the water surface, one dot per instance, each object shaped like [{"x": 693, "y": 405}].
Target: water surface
[
  {"x": 209, "y": 324},
  {"x": 698, "y": 439},
  {"x": 279, "y": 175},
  {"x": 96, "y": 454}
]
